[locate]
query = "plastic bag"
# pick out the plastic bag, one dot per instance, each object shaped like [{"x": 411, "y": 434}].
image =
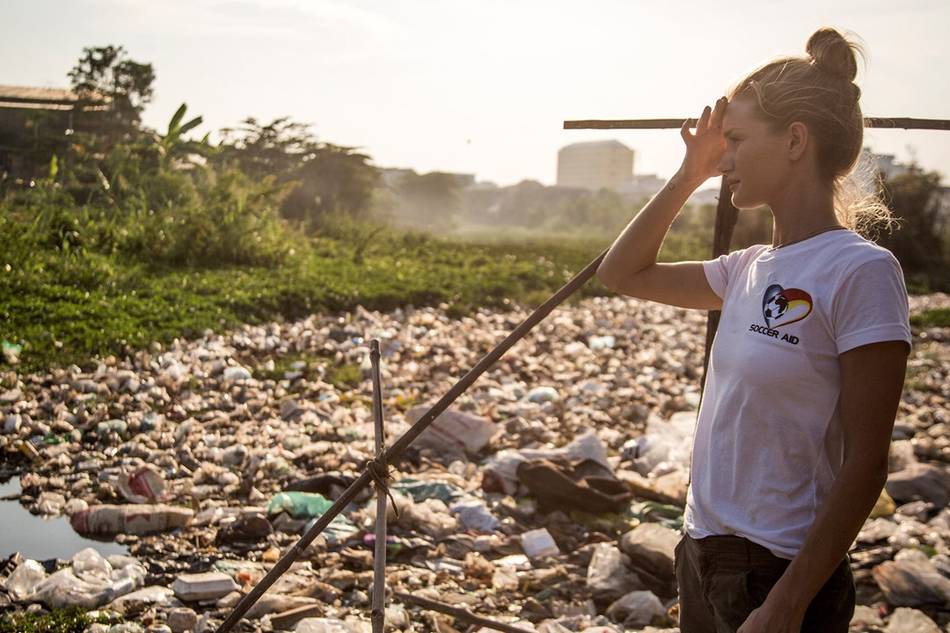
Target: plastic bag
[
  {"x": 89, "y": 565},
  {"x": 23, "y": 581},
  {"x": 665, "y": 446},
  {"x": 299, "y": 505},
  {"x": 475, "y": 515},
  {"x": 637, "y": 609},
  {"x": 502, "y": 469},
  {"x": 608, "y": 576}
]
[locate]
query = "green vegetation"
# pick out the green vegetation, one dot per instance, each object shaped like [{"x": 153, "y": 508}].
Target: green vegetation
[
  {"x": 69, "y": 620},
  {"x": 67, "y": 308},
  {"x": 937, "y": 317},
  {"x": 345, "y": 376}
]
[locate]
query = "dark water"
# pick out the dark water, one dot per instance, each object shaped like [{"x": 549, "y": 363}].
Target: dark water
[{"x": 41, "y": 538}]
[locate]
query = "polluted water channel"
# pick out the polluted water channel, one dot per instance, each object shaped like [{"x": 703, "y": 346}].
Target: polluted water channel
[{"x": 37, "y": 537}]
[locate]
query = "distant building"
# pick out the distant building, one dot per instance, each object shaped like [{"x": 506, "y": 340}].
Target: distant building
[
  {"x": 885, "y": 163},
  {"x": 641, "y": 186},
  {"x": 31, "y": 118},
  {"x": 392, "y": 176},
  {"x": 595, "y": 165}
]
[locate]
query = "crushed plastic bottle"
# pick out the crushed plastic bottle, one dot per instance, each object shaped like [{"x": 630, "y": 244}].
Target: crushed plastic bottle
[{"x": 109, "y": 520}]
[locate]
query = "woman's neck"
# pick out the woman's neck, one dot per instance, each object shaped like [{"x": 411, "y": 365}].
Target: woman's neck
[{"x": 802, "y": 211}]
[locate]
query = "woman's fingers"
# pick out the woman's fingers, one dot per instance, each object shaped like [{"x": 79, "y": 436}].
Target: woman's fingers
[
  {"x": 684, "y": 131},
  {"x": 703, "y": 120},
  {"x": 718, "y": 113},
  {"x": 711, "y": 118}
]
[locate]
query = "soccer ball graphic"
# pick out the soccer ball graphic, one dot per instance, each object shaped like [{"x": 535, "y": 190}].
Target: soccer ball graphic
[
  {"x": 774, "y": 308},
  {"x": 782, "y": 306}
]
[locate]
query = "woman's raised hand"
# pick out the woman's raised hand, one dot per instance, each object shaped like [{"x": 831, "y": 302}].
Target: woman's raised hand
[{"x": 704, "y": 147}]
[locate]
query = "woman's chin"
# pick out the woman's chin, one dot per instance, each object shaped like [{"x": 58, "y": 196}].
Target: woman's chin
[{"x": 743, "y": 204}]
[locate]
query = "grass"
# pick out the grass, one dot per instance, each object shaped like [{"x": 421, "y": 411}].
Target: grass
[
  {"x": 937, "y": 317},
  {"x": 69, "y": 620},
  {"x": 65, "y": 310},
  {"x": 343, "y": 377},
  {"x": 70, "y": 309}
]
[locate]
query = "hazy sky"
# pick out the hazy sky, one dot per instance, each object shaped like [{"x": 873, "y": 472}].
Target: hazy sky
[{"x": 482, "y": 87}]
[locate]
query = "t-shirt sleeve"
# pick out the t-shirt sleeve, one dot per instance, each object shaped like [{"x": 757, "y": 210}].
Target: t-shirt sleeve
[
  {"x": 721, "y": 271},
  {"x": 871, "y": 306}
]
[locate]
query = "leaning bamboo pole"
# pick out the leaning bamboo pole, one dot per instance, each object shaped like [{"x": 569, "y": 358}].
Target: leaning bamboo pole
[{"x": 393, "y": 453}]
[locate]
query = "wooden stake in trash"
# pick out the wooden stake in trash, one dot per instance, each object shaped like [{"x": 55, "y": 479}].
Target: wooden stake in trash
[{"x": 378, "y": 614}]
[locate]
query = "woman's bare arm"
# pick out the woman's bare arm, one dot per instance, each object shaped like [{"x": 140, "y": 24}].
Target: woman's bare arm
[
  {"x": 872, "y": 377},
  {"x": 630, "y": 266}
]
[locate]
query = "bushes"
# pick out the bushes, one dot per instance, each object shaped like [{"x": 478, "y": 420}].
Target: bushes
[
  {"x": 228, "y": 219},
  {"x": 130, "y": 203},
  {"x": 918, "y": 242}
]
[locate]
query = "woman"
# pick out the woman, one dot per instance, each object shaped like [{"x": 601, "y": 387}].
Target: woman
[{"x": 806, "y": 371}]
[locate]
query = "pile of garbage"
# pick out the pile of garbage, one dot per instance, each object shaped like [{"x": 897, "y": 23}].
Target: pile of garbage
[{"x": 549, "y": 497}]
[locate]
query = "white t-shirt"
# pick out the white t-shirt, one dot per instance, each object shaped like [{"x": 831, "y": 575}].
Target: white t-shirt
[{"x": 768, "y": 440}]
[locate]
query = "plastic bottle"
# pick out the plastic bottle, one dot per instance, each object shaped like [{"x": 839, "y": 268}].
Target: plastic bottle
[{"x": 108, "y": 520}]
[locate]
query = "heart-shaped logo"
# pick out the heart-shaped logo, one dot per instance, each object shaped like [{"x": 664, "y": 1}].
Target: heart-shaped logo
[{"x": 781, "y": 306}]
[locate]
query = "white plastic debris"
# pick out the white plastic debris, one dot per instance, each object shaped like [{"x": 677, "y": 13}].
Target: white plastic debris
[
  {"x": 539, "y": 544},
  {"x": 206, "y": 586},
  {"x": 475, "y": 515},
  {"x": 23, "y": 581}
]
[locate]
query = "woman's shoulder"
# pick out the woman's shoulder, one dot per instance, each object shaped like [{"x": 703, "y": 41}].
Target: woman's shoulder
[{"x": 851, "y": 251}]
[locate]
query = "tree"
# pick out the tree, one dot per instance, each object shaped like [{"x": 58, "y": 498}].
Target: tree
[
  {"x": 172, "y": 145},
  {"x": 333, "y": 180},
  {"x": 329, "y": 179},
  {"x": 429, "y": 201},
  {"x": 915, "y": 200},
  {"x": 278, "y": 148},
  {"x": 106, "y": 72}
]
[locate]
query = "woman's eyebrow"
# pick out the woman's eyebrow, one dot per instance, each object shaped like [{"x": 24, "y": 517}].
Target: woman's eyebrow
[{"x": 732, "y": 129}]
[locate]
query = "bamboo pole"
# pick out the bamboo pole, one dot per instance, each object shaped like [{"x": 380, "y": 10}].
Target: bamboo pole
[
  {"x": 378, "y": 614},
  {"x": 726, "y": 216},
  {"x": 393, "y": 453},
  {"x": 903, "y": 123}
]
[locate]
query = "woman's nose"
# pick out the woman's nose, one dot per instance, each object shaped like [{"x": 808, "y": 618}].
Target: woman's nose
[{"x": 725, "y": 164}]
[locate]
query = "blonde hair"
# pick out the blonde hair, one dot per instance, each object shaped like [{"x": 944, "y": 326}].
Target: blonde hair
[{"x": 819, "y": 90}]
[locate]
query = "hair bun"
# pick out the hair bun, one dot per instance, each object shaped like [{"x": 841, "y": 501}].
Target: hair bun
[{"x": 833, "y": 53}]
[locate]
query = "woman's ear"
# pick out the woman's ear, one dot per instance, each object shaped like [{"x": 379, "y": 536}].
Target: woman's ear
[{"x": 797, "y": 139}]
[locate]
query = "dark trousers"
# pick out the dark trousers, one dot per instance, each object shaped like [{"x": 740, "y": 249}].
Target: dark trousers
[{"x": 722, "y": 579}]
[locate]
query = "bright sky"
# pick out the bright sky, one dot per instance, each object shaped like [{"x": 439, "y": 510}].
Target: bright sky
[{"x": 482, "y": 87}]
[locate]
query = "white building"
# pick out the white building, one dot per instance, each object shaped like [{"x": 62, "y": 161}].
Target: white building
[
  {"x": 595, "y": 165},
  {"x": 885, "y": 163}
]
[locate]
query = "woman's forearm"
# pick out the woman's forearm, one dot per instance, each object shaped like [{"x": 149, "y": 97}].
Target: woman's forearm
[
  {"x": 639, "y": 244},
  {"x": 836, "y": 525}
]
